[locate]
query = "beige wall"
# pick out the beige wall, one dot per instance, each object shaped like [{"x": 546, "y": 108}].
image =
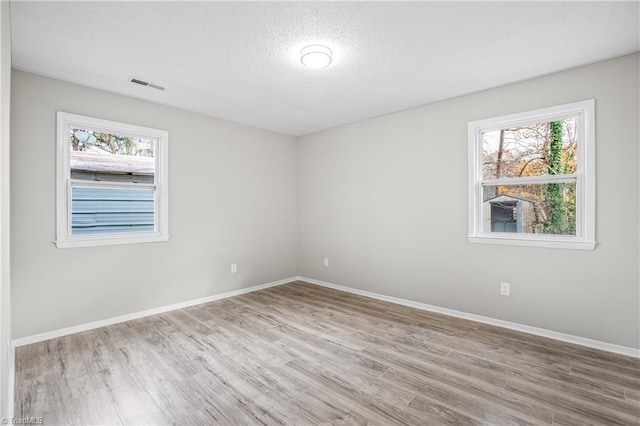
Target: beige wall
[
  {"x": 232, "y": 200},
  {"x": 5, "y": 286},
  {"x": 386, "y": 201}
]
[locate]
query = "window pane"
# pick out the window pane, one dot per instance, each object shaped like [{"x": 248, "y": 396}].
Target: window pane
[
  {"x": 531, "y": 209},
  {"x": 111, "y": 157},
  {"x": 535, "y": 150},
  {"x": 96, "y": 210}
]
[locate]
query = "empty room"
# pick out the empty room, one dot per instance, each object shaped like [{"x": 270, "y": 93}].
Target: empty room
[{"x": 320, "y": 213}]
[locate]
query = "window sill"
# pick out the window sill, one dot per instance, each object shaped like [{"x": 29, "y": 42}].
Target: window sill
[
  {"x": 530, "y": 242},
  {"x": 111, "y": 240}
]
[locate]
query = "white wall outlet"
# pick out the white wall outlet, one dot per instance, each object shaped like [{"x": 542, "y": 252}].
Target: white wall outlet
[
  {"x": 234, "y": 268},
  {"x": 505, "y": 289},
  {"x": 326, "y": 262}
]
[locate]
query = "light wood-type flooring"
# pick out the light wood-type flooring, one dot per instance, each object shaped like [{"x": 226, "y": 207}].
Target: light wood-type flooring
[{"x": 307, "y": 355}]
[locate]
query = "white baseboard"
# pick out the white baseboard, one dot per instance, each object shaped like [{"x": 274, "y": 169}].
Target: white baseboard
[
  {"x": 596, "y": 344},
  {"x": 128, "y": 317}
]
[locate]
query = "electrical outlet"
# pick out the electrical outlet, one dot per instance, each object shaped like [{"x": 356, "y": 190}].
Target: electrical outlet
[
  {"x": 505, "y": 289},
  {"x": 326, "y": 262},
  {"x": 234, "y": 268}
]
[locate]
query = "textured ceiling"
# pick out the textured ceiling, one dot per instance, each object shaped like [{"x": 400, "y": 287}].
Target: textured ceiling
[{"x": 239, "y": 60}]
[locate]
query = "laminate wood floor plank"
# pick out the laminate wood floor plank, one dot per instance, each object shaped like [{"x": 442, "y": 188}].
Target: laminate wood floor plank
[
  {"x": 514, "y": 357},
  {"x": 384, "y": 340},
  {"x": 369, "y": 311},
  {"x": 245, "y": 341},
  {"x": 328, "y": 352},
  {"x": 430, "y": 371},
  {"x": 324, "y": 407},
  {"x": 360, "y": 404},
  {"x": 468, "y": 395},
  {"x": 422, "y": 362},
  {"x": 543, "y": 375},
  {"x": 383, "y": 327},
  {"x": 391, "y": 311},
  {"x": 463, "y": 410},
  {"x": 247, "y": 325},
  {"x": 300, "y": 354},
  {"x": 575, "y": 351},
  {"x": 326, "y": 330},
  {"x": 553, "y": 352},
  {"x": 564, "y": 419},
  {"x": 632, "y": 396},
  {"x": 385, "y": 316},
  {"x": 598, "y": 410},
  {"x": 374, "y": 388},
  {"x": 358, "y": 334},
  {"x": 611, "y": 376}
]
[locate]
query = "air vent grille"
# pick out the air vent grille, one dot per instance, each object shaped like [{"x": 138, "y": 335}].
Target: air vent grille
[{"x": 146, "y": 83}]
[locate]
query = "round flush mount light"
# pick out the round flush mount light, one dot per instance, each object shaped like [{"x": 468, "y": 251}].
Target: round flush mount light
[{"x": 315, "y": 56}]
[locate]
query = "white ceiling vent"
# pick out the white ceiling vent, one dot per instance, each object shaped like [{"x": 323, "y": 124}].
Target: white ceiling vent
[{"x": 145, "y": 83}]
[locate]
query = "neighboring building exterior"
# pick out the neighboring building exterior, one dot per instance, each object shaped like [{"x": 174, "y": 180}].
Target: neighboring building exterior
[{"x": 506, "y": 213}]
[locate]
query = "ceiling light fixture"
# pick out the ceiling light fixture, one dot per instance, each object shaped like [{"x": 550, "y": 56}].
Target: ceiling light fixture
[{"x": 315, "y": 56}]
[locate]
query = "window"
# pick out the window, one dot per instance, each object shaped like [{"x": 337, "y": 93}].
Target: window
[
  {"x": 111, "y": 183},
  {"x": 532, "y": 178}
]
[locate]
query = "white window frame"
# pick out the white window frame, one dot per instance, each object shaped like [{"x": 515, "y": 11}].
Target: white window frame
[
  {"x": 585, "y": 178},
  {"x": 64, "y": 237}
]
